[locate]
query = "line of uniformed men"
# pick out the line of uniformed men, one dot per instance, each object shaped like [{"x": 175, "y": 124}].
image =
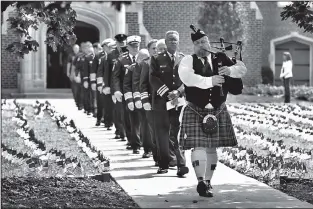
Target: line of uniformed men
[{"x": 120, "y": 83}]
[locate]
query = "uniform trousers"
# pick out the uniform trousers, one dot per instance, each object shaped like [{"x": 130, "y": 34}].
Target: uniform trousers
[
  {"x": 77, "y": 94},
  {"x": 100, "y": 105},
  {"x": 107, "y": 110},
  {"x": 123, "y": 119},
  {"x": 146, "y": 131},
  {"x": 134, "y": 118},
  {"x": 167, "y": 125},
  {"x": 93, "y": 101}
]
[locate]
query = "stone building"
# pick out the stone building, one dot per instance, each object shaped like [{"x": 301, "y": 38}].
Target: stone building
[{"x": 266, "y": 38}]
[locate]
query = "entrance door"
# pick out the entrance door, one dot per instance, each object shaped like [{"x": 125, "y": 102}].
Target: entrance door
[
  {"x": 301, "y": 62},
  {"x": 57, "y": 61}
]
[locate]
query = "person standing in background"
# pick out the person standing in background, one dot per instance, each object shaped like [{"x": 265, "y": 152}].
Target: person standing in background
[{"x": 286, "y": 74}]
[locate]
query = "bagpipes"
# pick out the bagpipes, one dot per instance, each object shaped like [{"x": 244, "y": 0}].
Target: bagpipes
[{"x": 222, "y": 51}]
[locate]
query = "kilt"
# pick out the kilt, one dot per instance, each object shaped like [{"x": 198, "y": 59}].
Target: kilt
[{"x": 191, "y": 135}]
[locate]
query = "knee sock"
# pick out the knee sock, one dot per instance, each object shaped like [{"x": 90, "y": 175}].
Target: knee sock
[
  {"x": 211, "y": 164},
  {"x": 199, "y": 162}
]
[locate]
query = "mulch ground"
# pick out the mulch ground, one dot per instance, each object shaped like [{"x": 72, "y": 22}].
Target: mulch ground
[{"x": 31, "y": 192}]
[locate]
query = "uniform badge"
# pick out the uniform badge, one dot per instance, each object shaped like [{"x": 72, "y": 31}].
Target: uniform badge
[
  {"x": 90, "y": 62},
  {"x": 163, "y": 66}
]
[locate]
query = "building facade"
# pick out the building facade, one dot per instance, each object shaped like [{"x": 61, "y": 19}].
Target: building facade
[{"x": 266, "y": 37}]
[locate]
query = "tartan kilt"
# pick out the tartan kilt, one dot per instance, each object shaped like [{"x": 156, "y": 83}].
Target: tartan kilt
[{"x": 191, "y": 135}]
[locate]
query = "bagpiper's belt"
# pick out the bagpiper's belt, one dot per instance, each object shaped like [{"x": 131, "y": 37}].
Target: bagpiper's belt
[{"x": 208, "y": 106}]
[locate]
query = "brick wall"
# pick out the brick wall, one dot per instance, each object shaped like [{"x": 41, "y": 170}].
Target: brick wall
[
  {"x": 274, "y": 27},
  {"x": 9, "y": 63},
  {"x": 133, "y": 26},
  {"x": 161, "y": 16},
  {"x": 252, "y": 44}
]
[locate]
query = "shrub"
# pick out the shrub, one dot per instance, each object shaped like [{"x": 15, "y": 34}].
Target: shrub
[{"x": 267, "y": 75}]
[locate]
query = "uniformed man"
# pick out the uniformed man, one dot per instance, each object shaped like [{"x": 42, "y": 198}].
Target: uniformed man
[
  {"x": 79, "y": 66},
  {"x": 133, "y": 101},
  {"x": 167, "y": 89},
  {"x": 104, "y": 111},
  {"x": 88, "y": 99},
  {"x": 203, "y": 80},
  {"x": 161, "y": 46},
  {"x": 130, "y": 117},
  {"x": 107, "y": 79},
  {"x": 71, "y": 72},
  {"x": 141, "y": 84}
]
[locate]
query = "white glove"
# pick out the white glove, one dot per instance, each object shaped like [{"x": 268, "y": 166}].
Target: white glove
[
  {"x": 106, "y": 90},
  {"x": 86, "y": 84},
  {"x": 118, "y": 96},
  {"x": 147, "y": 106},
  {"x": 114, "y": 99},
  {"x": 77, "y": 79},
  {"x": 99, "y": 89},
  {"x": 93, "y": 86},
  {"x": 131, "y": 106},
  {"x": 138, "y": 104}
]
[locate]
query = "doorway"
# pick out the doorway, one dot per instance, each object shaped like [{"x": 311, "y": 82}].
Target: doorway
[{"x": 57, "y": 61}]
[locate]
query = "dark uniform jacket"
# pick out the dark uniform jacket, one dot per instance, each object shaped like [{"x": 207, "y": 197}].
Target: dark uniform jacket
[
  {"x": 128, "y": 83},
  {"x": 119, "y": 71},
  {"x": 98, "y": 67},
  {"x": 95, "y": 65},
  {"x": 108, "y": 66},
  {"x": 201, "y": 97},
  {"x": 145, "y": 87},
  {"x": 87, "y": 67},
  {"x": 80, "y": 61},
  {"x": 136, "y": 79},
  {"x": 164, "y": 78}
]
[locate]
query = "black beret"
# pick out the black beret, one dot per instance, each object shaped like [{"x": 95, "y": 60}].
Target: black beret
[
  {"x": 197, "y": 35},
  {"x": 120, "y": 37}
]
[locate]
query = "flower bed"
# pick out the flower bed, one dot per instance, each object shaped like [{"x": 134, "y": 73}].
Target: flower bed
[
  {"x": 37, "y": 152},
  {"x": 298, "y": 92},
  {"x": 275, "y": 146}
]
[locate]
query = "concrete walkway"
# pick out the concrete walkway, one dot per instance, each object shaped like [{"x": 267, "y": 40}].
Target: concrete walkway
[{"x": 138, "y": 176}]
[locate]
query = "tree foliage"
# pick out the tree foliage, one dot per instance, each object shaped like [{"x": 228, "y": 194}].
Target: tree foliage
[
  {"x": 58, "y": 16},
  {"x": 301, "y": 13},
  {"x": 220, "y": 19}
]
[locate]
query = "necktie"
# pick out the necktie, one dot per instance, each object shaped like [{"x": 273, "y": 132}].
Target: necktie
[
  {"x": 206, "y": 64},
  {"x": 134, "y": 59},
  {"x": 173, "y": 59}
]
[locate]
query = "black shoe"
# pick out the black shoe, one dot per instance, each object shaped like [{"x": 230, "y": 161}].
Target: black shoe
[
  {"x": 162, "y": 171},
  {"x": 123, "y": 139},
  {"x": 89, "y": 113},
  {"x": 182, "y": 171},
  {"x": 98, "y": 123},
  {"x": 80, "y": 108},
  {"x": 135, "y": 151},
  {"x": 128, "y": 144},
  {"x": 172, "y": 164},
  {"x": 117, "y": 137},
  {"x": 204, "y": 190},
  {"x": 156, "y": 164},
  {"x": 129, "y": 148},
  {"x": 108, "y": 128},
  {"x": 146, "y": 155},
  {"x": 85, "y": 111}
]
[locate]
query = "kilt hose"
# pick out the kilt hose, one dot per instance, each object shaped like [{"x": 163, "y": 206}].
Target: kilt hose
[{"x": 191, "y": 134}]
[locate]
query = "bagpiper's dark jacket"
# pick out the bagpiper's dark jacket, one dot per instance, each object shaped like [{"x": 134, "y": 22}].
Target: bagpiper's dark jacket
[
  {"x": 164, "y": 78},
  {"x": 201, "y": 97}
]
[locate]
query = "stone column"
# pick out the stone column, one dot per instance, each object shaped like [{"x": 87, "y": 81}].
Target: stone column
[{"x": 120, "y": 20}]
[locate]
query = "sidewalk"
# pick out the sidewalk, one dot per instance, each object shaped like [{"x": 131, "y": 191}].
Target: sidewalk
[{"x": 137, "y": 176}]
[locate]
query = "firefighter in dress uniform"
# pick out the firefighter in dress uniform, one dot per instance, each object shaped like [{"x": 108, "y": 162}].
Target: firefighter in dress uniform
[
  {"x": 130, "y": 117},
  {"x": 107, "y": 80},
  {"x": 141, "y": 75},
  {"x": 204, "y": 80},
  {"x": 103, "y": 111},
  {"x": 167, "y": 89}
]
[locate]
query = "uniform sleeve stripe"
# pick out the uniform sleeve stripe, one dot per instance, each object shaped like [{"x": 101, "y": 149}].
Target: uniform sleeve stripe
[
  {"x": 161, "y": 88},
  {"x": 144, "y": 94},
  {"x": 163, "y": 92},
  {"x": 143, "y": 97},
  {"x": 136, "y": 94},
  {"x": 128, "y": 95}
]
